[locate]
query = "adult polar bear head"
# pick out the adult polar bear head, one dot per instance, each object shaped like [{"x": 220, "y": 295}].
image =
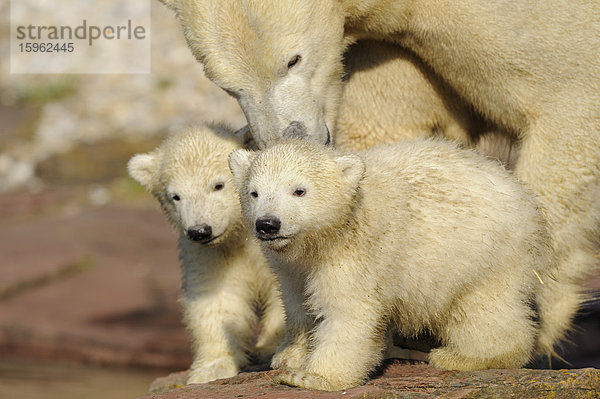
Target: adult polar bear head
[{"x": 281, "y": 59}]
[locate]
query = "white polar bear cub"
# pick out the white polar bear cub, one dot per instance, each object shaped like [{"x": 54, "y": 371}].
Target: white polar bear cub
[
  {"x": 421, "y": 236},
  {"x": 225, "y": 277}
]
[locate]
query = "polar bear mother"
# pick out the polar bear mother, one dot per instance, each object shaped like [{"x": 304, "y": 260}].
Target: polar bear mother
[{"x": 533, "y": 68}]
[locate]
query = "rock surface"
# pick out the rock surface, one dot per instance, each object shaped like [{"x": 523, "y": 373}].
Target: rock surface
[
  {"x": 93, "y": 284},
  {"x": 401, "y": 379}
]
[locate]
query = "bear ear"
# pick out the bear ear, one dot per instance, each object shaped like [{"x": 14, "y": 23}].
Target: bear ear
[
  {"x": 352, "y": 168},
  {"x": 239, "y": 163},
  {"x": 169, "y": 3},
  {"x": 142, "y": 168}
]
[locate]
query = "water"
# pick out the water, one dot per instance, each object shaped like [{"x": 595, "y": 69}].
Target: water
[{"x": 22, "y": 379}]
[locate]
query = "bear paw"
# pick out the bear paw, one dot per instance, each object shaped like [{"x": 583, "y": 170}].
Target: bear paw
[
  {"x": 215, "y": 370},
  {"x": 302, "y": 379},
  {"x": 290, "y": 357}
]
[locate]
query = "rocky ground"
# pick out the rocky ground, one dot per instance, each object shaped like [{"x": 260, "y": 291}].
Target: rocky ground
[
  {"x": 401, "y": 379},
  {"x": 88, "y": 264}
]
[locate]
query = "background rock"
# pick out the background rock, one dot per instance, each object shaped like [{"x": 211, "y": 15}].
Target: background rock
[
  {"x": 48, "y": 115},
  {"x": 88, "y": 263}
]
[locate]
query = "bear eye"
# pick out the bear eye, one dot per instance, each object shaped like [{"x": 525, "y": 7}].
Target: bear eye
[
  {"x": 175, "y": 197},
  {"x": 254, "y": 194},
  {"x": 299, "y": 192},
  {"x": 294, "y": 61},
  {"x": 219, "y": 186}
]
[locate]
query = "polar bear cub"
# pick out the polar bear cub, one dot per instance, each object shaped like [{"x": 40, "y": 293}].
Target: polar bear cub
[
  {"x": 225, "y": 277},
  {"x": 421, "y": 236}
]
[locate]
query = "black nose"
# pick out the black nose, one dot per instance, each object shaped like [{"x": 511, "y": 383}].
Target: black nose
[
  {"x": 295, "y": 130},
  {"x": 200, "y": 232},
  {"x": 267, "y": 226}
]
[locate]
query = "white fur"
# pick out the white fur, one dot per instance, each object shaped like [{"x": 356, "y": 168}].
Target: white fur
[
  {"x": 420, "y": 235},
  {"x": 255, "y": 67},
  {"x": 391, "y": 95},
  {"x": 225, "y": 280},
  {"x": 420, "y": 105},
  {"x": 531, "y": 68}
]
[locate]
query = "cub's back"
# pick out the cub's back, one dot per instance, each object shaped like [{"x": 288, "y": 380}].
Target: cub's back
[
  {"x": 447, "y": 219},
  {"x": 444, "y": 203},
  {"x": 440, "y": 174}
]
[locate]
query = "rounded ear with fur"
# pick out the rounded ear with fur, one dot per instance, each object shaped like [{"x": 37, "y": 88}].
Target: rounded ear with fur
[
  {"x": 352, "y": 168},
  {"x": 239, "y": 163},
  {"x": 142, "y": 168}
]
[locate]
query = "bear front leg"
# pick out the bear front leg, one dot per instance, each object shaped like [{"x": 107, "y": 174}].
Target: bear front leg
[
  {"x": 293, "y": 351},
  {"x": 560, "y": 160},
  {"x": 220, "y": 328},
  {"x": 272, "y": 323},
  {"x": 346, "y": 348}
]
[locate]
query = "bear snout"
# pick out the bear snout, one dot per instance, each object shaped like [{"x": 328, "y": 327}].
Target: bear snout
[
  {"x": 267, "y": 227},
  {"x": 200, "y": 232}
]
